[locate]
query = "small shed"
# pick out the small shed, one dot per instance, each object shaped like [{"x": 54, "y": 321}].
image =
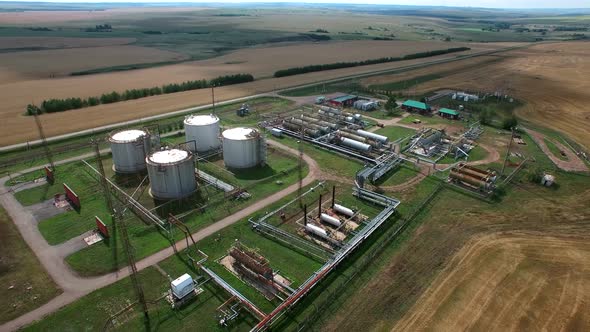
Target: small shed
[
  {"x": 448, "y": 113},
  {"x": 415, "y": 106}
]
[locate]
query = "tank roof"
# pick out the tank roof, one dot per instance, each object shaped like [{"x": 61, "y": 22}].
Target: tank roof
[
  {"x": 128, "y": 135},
  {"x": 201, "y": 119},
  {"x": 168, "y": 156},
  {"x": 240, "y": 133}
]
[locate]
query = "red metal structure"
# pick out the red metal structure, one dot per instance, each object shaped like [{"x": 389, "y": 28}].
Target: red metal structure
[
  {"x": 72, "y": 197},
  {"x": 49, "y": 174},
  {"x": 102, "y": 228}
]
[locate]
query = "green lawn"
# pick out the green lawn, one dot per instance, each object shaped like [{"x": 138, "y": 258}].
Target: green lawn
[
  {"x": 19, "y": 270},
  {"x": 398, "y": 176},
  {"x": 394, "y": 132},
  {"x": 554, "y": 149},
  {"x": 477, "y": 153},
  {"x": 329, "y": 162},
  {"x": 260, "y": 183}
]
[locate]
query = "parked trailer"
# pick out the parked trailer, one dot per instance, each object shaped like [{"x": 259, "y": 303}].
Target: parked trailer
[
  {"x": 355, "y": 144},
  {"x": 330, "y": 220}
]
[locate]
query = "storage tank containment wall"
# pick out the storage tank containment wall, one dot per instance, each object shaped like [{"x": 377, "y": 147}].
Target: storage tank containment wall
[
  {"x": 129, "y": 148},
  {"x": 171, "y": 173},
  {"x": 242, "y": 147},
  {"x": 204, "y": 129}
]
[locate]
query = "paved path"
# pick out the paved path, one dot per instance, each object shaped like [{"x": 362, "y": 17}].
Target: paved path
[{"x": 74, "y": 286}]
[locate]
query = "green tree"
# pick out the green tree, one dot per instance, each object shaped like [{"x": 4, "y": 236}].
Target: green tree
[
  {"x": 391, "y": 104},
  {"x": 510, "y": 123}
]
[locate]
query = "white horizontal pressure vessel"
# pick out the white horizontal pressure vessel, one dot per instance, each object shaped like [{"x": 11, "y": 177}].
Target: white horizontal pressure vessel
[
  {"x": 330, "y": 220},
  {"x": 376, "y": 137},
  {"x": 343, "y": 210},
  {"x": 316, "y": 230}
]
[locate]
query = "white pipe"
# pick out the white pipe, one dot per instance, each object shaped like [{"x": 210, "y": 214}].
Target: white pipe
[{"x": 316, "y": 230}]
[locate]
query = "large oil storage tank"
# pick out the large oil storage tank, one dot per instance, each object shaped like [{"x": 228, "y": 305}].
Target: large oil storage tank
[
  {"x": 243, "y": 148},
  {"x": 204, "y": 130},
  {"x": 129, "y": 148},
  {"x": 171, "y": 173}
]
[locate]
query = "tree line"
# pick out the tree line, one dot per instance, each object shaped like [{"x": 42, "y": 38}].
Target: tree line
[
  {"x": 66, "y": 104},
  {"x": 340, "y": 65}
]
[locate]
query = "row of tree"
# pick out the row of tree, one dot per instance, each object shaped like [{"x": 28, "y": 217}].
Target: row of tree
[
  {"x": 339, "y": 65},
  {"x": 66, "y": 104}
]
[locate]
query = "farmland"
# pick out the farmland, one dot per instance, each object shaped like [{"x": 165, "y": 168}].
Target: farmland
[{"x": 418, "y": 241}]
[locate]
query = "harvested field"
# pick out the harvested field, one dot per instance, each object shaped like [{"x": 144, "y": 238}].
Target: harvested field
[
  {"x": 508, "y": 282},
  {"x": 10, "y": 43},
  {"x": 57, "y": 16},
  {"x": 468, "y": 265},
  {"x": 16, "y": 96},
  {"x": 552, "y": 78},
  {"x": 51, "y": 63}
]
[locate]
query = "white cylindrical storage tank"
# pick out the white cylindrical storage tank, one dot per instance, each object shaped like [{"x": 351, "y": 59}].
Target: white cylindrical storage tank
[
  {"x": 129, "y": 148},
  {"x": 330, "y": 220},
  {"x": 313, "y": 229},
  {"x": 376, "y": 137},
  {"x": 355, "y": 144},
  {"x": 204, "y": 130},
  {"x": 171, "y": 173},
  {"x": 241, "y": 147},
  {"x": 343, "y": 210}
]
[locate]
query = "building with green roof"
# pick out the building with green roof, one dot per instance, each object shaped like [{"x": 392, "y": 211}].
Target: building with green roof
[
  {"x": 415, "y": 106},
  {"x": 448, "y": 113}
]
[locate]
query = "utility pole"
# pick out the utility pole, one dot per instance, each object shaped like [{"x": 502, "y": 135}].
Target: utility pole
[
  {"x": 44, "y": 140},
  {"x": 109, "y": 200},
  {"x": 213, "y": 97},
  {"x": 300, "y": 167},
  {"x": 508, "y": 152}
]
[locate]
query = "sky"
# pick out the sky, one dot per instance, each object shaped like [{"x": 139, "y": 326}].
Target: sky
[{"x": 453, "y": 3}]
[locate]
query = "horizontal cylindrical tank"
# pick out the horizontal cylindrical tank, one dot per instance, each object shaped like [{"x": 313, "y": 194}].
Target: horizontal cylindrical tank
[
  {"x": 349, "y": 119},
  {"x": 171, "y": 173},
  {"x": 352, "y": 136},
  {"x": 373, "y": 136},
  {"x": 313, "y": 229},
  {"x": 343, "y": 210},
  {"x": 330, "y": 220},
  {"x": 276, "y": 132},
  {"x": 204, "y": 130},
  {"x": 320, "y": 122},
  {"x": 300, "y": 122},
  {"x": 242, "y": 147},
  {"x": 129, "y": 148},
  {"x": 297, "y": 129},
  {"x": 469, "y": 180},
  {"x": 355, "y": 144}
]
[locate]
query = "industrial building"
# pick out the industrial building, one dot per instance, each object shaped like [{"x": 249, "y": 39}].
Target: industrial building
[
  {"x": 202, "y": 132},
  {"x": 416, "y": 106},
  {"x": 171, "y": 173},
  {"x": 243, "y": 148},
  {"x": 464, "y": 96},
  {"x": 366, "y": 105},
  {"x": 448, "y": 113},
  {"x": 343, "y": 101}
]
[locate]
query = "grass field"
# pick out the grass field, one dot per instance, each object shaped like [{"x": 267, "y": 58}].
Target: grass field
[
  {"x": 394, "y": 132},
  {"x": 398, "y": 176},
  {"x": 25, "y": 284},
  {"x": 554, "y": 149}
]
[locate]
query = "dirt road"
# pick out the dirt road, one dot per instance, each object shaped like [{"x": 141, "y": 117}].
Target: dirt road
[
  {"x": 74, "y": 286},
  {"x": 573, "y": 162}
]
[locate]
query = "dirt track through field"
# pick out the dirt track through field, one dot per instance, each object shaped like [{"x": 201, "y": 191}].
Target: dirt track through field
[
  {"x": 508, "y": 282},
  {"x": 573, "y": 162}
]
